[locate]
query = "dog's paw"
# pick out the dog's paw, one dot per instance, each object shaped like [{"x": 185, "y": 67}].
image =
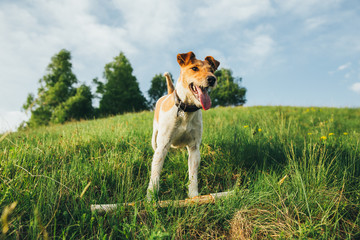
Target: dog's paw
[
  {"x": 193, "y": 194},
  {"x": 150, "y": 196}
]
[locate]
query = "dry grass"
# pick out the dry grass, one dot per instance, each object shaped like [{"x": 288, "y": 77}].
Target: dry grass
[{"x": 259, "y": 224}]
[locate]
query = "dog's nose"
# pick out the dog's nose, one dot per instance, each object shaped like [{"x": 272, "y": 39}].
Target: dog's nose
[{"x": 211, "y": 80}]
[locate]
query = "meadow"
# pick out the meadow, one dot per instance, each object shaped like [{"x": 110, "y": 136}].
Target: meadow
[{"x": 295, "y": 172}]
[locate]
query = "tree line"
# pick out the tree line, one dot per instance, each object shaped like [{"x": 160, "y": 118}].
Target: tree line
[{"x": 58, "y": 100}]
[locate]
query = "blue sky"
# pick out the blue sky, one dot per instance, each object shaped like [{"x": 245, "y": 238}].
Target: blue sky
[{"x": 297, "y": 53}]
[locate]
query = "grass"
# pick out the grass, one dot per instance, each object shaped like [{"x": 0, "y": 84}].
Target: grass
[{"x": 295, "y": 172}]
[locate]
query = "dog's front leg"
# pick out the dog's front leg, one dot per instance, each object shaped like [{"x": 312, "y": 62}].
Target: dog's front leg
[
  {"x": 193, "y": 162},
  {"x": 156, "y": 167}
]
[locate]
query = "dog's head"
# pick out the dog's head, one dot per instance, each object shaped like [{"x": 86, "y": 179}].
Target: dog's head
[{"x": 197, "y": 77}]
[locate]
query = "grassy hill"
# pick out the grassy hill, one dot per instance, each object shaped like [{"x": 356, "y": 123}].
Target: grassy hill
[{"x": 295, "y": 172}]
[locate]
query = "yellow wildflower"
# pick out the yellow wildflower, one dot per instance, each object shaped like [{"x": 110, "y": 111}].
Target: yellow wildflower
[
  {"x": 345, "y": 133},
  {"x": 246, "y": 126},
  {"x": 330, "y": 134},
  {"x": 323, "y": 138},
  {"x": 259, "y": 130},
  {"x": 309, "y": 134}
]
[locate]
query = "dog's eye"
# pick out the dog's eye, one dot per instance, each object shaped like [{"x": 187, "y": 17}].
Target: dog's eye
[{"x": 195, "y": 69}]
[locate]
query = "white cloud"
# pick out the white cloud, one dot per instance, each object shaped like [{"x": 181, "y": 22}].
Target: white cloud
[
  {"x": 246, "y": 36},
  {"x": 256, "y": 51},
  {"x": 74, "y": 25},
  {"x": 355, "y": 87},
  {"x": 260, "y": 48},
  {"x": 10, "y": 121},
  {"x": 346, "y": 70},
  {"x": 307, "y": 7},
  {"x": 31, "y": 33},
  {"x": 222, "y": 14},
  {"x": 315, "y": 23},
  {"x": 344, "y": 66},
  {"x": 150, "y": 23},
  {"x": 257, "y": 47},
  {"x": 48, "y": 26}
]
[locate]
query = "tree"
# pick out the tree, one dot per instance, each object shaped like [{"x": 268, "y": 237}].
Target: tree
[
  {"x": 120, "y": 92},
  {"x": 75, "y": 107},
  {"x": 228, "y": 91},
  {"x": 157, "y": 89},
  {"x": 55, "y": 91}
]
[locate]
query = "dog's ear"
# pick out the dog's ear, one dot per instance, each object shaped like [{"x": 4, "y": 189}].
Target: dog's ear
[
  {"x": 213, "y": 63},
  {"x": 184, "y": 58}
]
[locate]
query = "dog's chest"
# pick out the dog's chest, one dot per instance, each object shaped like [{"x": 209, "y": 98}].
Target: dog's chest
[{"x": 187, "y": 132}]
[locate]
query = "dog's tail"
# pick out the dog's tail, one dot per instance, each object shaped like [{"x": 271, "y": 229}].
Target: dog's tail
[{"x": 169, "y": 83}]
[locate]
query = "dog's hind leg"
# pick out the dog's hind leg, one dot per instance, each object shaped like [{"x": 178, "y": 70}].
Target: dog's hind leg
[
  {"x": 154, "y": 136},
  {"x": 153, "y": 139}
]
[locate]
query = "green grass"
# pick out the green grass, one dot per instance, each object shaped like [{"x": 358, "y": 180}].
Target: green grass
[{"x": 290, "y": 181}]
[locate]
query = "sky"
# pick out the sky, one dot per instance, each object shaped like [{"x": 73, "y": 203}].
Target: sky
[{"x": 290, "y": 53}]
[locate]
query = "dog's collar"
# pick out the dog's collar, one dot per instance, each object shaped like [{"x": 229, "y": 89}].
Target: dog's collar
[{"x": 182, "y": 106}]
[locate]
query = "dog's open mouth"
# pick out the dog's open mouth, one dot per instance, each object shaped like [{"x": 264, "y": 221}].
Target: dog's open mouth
[{"x": 201, "y": 93}]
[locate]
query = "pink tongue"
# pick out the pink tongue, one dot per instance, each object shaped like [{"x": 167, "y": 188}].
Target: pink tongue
[{"x": 204, "y": 98}]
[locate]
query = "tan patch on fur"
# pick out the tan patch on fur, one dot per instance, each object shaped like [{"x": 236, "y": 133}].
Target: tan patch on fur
[
  {"x": 165, "y": 103},
  {"x": 168, "y": 103},
  {"x": 157, "y": 108}
]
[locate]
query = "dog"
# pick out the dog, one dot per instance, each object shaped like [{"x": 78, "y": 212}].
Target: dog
[{"x": 178, "y": 118}]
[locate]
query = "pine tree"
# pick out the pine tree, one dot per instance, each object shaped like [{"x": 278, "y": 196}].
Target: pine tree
[
  {"x": 56, "y": 88},
  {"x": 120, "y": 92}
]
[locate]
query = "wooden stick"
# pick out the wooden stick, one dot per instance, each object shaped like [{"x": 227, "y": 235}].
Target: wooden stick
[{"x": 205, "y": 199}]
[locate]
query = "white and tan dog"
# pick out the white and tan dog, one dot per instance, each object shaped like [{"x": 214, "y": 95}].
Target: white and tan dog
[{"x": 178, "y": 118}]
